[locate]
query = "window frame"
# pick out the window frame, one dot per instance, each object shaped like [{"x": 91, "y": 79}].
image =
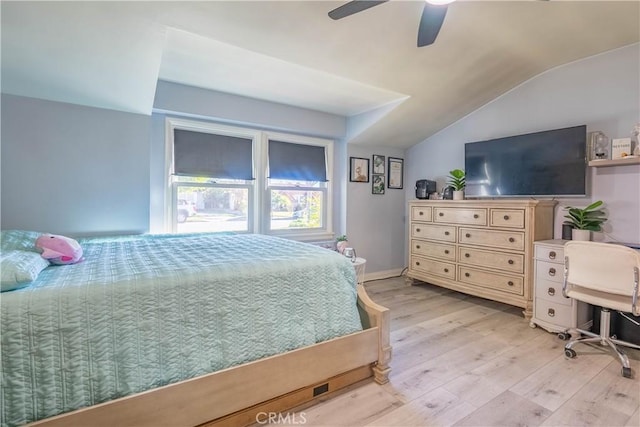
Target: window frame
[{"x": 259, "y": 209}]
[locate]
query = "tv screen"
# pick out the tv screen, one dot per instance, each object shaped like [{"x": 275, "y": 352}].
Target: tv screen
[{"x": 549, "y": 163}]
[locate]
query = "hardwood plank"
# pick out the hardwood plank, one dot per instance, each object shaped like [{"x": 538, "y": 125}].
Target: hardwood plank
[
  {"x": 508, "y": 409},
  {"x": 437, "y": 408}
]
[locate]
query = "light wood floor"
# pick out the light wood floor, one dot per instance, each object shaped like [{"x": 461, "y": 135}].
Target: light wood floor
[{"x": 465, "y": 361}]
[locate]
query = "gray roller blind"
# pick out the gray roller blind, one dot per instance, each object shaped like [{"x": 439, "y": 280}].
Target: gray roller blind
[
  {"x": 210, "y": 155},
  {"x": 298, "y": 162}
]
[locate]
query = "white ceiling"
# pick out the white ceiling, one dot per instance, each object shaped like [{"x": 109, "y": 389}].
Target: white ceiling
[{"x": 111, "y": 54}]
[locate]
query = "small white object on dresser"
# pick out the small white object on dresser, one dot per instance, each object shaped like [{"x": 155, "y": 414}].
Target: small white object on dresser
[{"x": 551, "y": 310}]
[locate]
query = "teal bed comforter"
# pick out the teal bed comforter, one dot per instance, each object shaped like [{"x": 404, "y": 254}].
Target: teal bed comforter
[{"x": 145, "y": 311}]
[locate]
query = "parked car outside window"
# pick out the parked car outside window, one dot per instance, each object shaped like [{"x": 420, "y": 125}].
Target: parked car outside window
[{"x": 185, "y": 210}]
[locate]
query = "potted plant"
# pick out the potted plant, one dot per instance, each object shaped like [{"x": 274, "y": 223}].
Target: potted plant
[
  {"x": 585, "y": 220},
  {"x": 457, "y": 181},
  {"x": 341, "y": 243}
]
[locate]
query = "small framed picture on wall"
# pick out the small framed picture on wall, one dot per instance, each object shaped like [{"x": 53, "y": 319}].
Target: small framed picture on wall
[
  {"x": 378, "y": 164},
  {"x": 377, "y": 184},
  {"x": 358, "y": 169},
  {"x": 396, "y": 170}
]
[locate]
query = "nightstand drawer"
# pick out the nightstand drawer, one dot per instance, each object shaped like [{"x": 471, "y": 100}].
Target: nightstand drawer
[
  {"x": 509, "y": 218},
  {"x": 551, "y": 254},
  {"x": 551, "y": 312},
  {"x": 460, "y": 216},
  {"x": 550, "y": 271},
  {"x": 433, "y": 250},
  {"x": 419, "y": 213},
  {"x": 435, "y": 232},
  {"x": 511, "y": 284},
  {"x": 550, "y": 291},
  {"x": 497, "y": 239},
  {"x": 431, "y": 266},
  {"x": 491, "y": 259}
]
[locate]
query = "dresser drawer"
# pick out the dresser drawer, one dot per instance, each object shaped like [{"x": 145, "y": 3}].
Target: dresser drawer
[
  {"x": 550, "y": 291},
  {"x": 549, "y": 253},
  {"x": 491, "y": 259},
  {"x": 433, "y": 250},
  {"x": 491, "y": 280},
  {"x": 460, "y": 216},
  {"x": 550, "y": 271},
  {"x": 420, "y": 213},
  {"x": 435, "y": 232},
  {"x": 496, "y": 239},
  {"x": 432, "y": 266},
  {"x": 554, "y": 313},
  {"x": 509, "y": 218}
]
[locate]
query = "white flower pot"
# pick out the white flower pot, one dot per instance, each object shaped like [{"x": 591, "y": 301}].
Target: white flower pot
[
  {"x": 584, "y": 235},
  {"x": 458, "y": 195}
]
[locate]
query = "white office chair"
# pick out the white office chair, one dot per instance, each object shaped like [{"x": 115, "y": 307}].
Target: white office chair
[{"x": 605, "y": 275}]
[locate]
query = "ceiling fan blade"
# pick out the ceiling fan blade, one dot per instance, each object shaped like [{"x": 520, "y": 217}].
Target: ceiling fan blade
[
  {"x": 430, "y": 23},
  {"x": 352, "y": 7}
]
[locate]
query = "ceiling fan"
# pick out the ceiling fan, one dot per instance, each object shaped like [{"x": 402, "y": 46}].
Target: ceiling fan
[{"x": 432, "y": 18}]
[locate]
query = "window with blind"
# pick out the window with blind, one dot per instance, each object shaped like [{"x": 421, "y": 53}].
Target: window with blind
[{"x": 227, "y": 178}]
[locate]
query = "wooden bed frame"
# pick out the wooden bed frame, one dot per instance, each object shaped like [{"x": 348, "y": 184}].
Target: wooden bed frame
[{"x": 237, "y": 396}]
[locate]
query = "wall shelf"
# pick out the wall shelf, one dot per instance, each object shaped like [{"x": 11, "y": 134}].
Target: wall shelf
[{"x": 631, "y": 160}]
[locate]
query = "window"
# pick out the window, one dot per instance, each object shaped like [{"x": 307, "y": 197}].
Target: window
[{"x": 225, "y": 178}]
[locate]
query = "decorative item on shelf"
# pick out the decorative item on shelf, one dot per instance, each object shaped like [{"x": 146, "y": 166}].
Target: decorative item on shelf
[
  {"x": 457, "y": 181},
  {"x": 635, "y": 139},
  {"x": 598, "y": 146},
  {"x": 585, "y": 220},
  {"x": 620, "y": 148},
  {"x": 341, "y": 243},
  {"x": 350, "y": 253},
  {"x": 447, "y": 193}
]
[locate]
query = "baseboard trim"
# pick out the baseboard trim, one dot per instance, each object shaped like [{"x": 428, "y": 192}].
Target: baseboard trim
[{"x": 377, "y": 275}]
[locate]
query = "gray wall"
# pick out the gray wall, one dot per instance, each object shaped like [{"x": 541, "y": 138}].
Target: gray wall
[
  {"x": 375, "y": 223},
  {"x": 602, "y": 92},
  {"x": 73, "y": 170}
]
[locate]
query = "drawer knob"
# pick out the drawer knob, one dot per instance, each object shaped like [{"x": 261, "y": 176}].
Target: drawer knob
[
  {"x": 510, "y": 283},
  {"x": 446, "y": 251},
  {"x": 552, "y": 271},
  {"x": 551, "y": 312},
  {"x": 511, "y": 239},
  {"x": 446, "y": 233},
  {"x": 506, "y": 217},
  {"x": 421, "y": 213},
  {"x": 467, "y": 235},
  {"x": 446, "y": 270},
  {"x": 417, "y": 262},
  {"x": 510, "y": 262},
  {"x": 440, "y": 214},
  {"x": 417, "y": 230},
  {"x": 551, "y": 291},
  {"x": 467, "y": 255},
  {"x": 417, "y": 246},
  {"x": 552, "y": 255},
  {"x": 467, "y": 275},
  {"x": 476, "y": 216}
]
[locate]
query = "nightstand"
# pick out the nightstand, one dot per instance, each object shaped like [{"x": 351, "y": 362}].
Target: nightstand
[{"x": 359, "y": 265}]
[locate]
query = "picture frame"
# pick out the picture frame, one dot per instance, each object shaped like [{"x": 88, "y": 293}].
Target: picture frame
[
  {"x": 377, "y": 184},
  {"x": 358, "y": 169},
  {"x": 378, "y": 165},
  {"x": 396, "y": 173}
]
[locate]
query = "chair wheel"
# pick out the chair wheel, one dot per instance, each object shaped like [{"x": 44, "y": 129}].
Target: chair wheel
[
  {"x": 570, "y": 353},
  {"x": 626, "y": 372},
  {"x": 564, "y": 336}
]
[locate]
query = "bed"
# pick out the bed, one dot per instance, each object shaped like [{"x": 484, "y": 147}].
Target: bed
[{"x": 184, "y": 330}]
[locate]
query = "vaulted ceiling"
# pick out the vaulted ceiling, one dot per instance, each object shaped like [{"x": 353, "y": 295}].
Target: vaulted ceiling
[{"x": 111, "y": 54}]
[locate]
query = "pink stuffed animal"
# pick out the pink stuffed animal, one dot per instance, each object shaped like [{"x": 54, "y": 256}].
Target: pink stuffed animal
[{"x": 59, "y": 249}]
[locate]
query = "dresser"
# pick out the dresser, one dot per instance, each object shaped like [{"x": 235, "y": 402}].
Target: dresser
[
  {"x": 552, "y": 311},
  {"x": 479, "y": 247}
]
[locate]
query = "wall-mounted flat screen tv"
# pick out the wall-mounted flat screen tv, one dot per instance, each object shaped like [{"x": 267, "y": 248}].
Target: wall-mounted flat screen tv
[{"x": 541, "y": 164}]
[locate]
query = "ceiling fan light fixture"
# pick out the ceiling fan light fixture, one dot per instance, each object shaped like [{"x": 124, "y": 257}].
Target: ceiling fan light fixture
[{"x": 439, "y": 2}]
